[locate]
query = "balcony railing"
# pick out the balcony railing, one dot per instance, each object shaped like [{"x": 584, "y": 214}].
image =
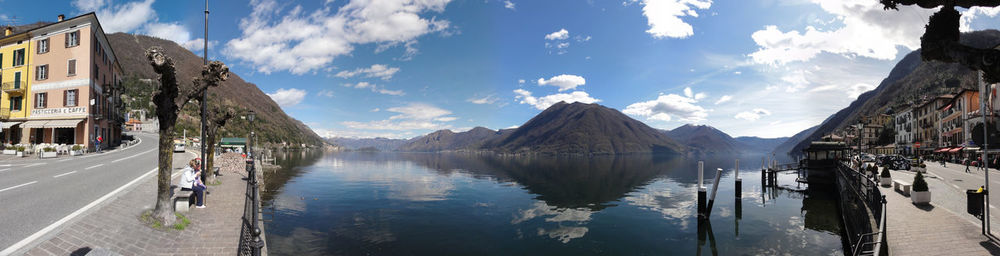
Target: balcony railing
[{"x": 13, "y": 87}]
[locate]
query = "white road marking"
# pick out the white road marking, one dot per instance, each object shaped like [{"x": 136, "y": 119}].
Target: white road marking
[
  {"x": 956, "y": 186},
  {"x": 60, "y": 175},
  {"x": 92, "y": 167},
  {"x": 8, "y": 169},
  {"x": 147, "y": 151},
  {"x": 30, "y": 165},
  {"x": 22, "y": 185},
  {"x": 10, "y": 250},
  {"x": 67, "y": 159}
]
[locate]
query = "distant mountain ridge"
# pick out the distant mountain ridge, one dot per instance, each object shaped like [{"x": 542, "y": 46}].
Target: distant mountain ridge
[
  {"x": 706, "y": 140},
  {"x": 910, "y": 79},
  {"x": 563, "y": 128},
  {"x": 381, "y": 144}
]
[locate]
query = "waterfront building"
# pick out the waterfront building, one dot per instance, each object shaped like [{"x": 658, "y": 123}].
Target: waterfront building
[
  {"x": 928, "y": 125},
  {"x": 14, "y": 73},
  {"x": 75, "y": 85},
  {"x": 954, "y": 116},
  {"x": 903, "y": 126}
]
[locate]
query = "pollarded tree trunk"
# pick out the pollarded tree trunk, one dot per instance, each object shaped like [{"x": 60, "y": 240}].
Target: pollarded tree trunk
[
  {"x": 169, "y": 98},
  {"x": 217, "y": 118}
]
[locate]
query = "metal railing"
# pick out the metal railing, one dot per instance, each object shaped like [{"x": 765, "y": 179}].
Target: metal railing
[
  {"x": 863, "y": 209},
  {"x": 250, "y": 243},
  {"x": 13, "y": 86}
]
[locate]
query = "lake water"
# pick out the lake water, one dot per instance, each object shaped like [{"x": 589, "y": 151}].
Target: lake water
[{"x": 456, "y": 204}]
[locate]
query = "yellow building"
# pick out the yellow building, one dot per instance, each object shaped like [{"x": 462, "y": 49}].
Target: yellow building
[{"x": 15, "y": 82}]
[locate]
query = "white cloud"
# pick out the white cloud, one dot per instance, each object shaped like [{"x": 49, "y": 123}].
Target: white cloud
[
  {"x": 508, "y": 4},
  {"x": 723, "y": 99},
  {"x": 375, "y": 88},
  {"x": 972, "y": 13},
  {"x": 177, "y": 33},
  {"x": 415, "y": 116},
  {"x": 562, "y": 34},
  {"x": 520, "y": 81},
  {"x": 326, "y": 93},
  {"x": 564, "y": 81},
  {"x": 376, "y": 71},
  {"x": 375, "y": 110},
  {"x": 542, "y": 103},
  {"x": 287, "y": 97},
  {"x": 664, "y": 16},
  {"x": 361, "y": 85},
  {"x": 392, "y": 92},
  {"x": 667, "y": 106},
  {"x": 737, "y": 72},
  {"x": 867, "y": 30},
  {"x": 300, "y": 41},
  {"x": 489, "y": 99},
  {"x": 757, "y": 113}
]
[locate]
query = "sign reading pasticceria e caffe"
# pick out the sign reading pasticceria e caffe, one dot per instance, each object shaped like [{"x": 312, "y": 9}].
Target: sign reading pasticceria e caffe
[{"x": 53, "y": 112}]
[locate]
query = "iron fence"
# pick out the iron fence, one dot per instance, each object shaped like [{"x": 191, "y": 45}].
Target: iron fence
[
  {"x": 250, "y": 243},
  {"x": 863, "y": 210}
]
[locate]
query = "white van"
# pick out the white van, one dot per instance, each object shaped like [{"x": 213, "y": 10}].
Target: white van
[{"x": 178, "y": 147}]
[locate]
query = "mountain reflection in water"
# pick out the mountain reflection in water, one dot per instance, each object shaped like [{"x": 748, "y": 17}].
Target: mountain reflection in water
[{"x": 420, "y": 204}]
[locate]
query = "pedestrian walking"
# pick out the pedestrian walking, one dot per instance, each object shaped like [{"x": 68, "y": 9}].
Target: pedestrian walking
[{"x": 966, "y": 160}]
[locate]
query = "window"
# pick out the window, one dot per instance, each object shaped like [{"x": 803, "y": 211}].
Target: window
[
  {"x": 41, "y": 100},
  {"x": 43, "y": 46},
  {"x": 1, "y": 60},
  {"x": 72, "y": 39},
  {"x": 70, "y": 98},
  {"x": 17, "y": 80},
  {"x": 42, "y": 72},
  {"x": 18, "y": 57},
  {"x": 15, "y": 103},
  {"x": 71, "y": 68}
]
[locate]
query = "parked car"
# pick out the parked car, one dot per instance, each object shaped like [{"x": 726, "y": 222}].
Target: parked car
[{"x": 178, "y": 147}]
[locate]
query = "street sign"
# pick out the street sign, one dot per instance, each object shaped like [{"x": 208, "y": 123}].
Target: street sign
[{"x": 916, "y": 145}]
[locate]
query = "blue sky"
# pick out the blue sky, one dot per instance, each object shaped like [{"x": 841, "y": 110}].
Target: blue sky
[{"x": 402, "y": 68}]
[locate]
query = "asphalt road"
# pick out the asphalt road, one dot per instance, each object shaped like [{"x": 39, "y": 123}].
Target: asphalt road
[{"x": 35, "y": 193}]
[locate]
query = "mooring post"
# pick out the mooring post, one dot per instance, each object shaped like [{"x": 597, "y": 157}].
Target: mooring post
[
  {"x": 701, "y": 190},
  {"x": 739, "y": 182},
  {"x": 715, "y": 190}
]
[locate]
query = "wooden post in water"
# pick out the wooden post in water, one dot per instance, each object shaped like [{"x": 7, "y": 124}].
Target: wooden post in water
[
  {"x": 701, "y": 191},
  {"x": 715, "y": 190},
  {"x": 739, "y": 182}
]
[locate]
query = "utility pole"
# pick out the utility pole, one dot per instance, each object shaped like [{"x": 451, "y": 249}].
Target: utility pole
[
  {"x": 204, "y": 103},
  {"x": 985, "y": 162}
]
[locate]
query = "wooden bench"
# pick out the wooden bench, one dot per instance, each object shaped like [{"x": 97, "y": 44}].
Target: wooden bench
[
  {"x": 183, "y": 200},
  {"x": 901, "y": 186}
]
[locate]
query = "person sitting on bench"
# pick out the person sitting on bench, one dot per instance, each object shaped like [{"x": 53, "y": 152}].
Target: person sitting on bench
[{"x": 191, "y": 181}]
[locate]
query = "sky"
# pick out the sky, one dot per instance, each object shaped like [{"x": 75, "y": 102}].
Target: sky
[{"x": 404, "y": 68}]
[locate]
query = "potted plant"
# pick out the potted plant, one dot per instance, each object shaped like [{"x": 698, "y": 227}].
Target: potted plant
[
  {"x": 48, "y": 152},
  {"x": 920, "y": 193},
  {"x": 76, "y": 150},
  {"x": 20, "y": 151},
  {"x": 885, "y": 179},
  {"x": 9, "y": 150}
]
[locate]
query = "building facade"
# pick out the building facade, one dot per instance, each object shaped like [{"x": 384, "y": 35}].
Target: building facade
[
  {"x": 904, "y": 131},
  {"x": 75, "y": 86},
  {"x": 15, "y": 72},
  {"x": 928, "y": 125},
  {"x": 954, "y": 115}
]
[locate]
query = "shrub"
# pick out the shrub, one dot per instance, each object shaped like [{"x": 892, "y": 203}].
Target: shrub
[
  {"x": 20, "y": 148},
  {"x": 919, "y": 184},
  {"x": 885, "y": 172},
  {"x": 77, "y": 147},
  {"x": 49, "y": 149}
]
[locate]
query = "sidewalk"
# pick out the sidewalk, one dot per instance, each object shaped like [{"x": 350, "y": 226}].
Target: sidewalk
[
  {"x": 116, "y": 226},
  {"x": 941, "y": 228}
]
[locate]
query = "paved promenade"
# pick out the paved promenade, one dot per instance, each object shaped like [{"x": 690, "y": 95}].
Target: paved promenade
[{"x": 116, "y": 227}]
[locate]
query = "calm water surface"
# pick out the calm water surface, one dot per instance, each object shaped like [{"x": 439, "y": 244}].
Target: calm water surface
[{"x": 454, "y": 204}]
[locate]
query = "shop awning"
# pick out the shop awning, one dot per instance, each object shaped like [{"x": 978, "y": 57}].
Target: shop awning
[
  {"x": 972, "y": 149},
  {"x": 34, "y": 124},
  {"x": 65, "y": 123},
  {"x": 8, "y": 125},
  {"x": 954, "y": 150}
]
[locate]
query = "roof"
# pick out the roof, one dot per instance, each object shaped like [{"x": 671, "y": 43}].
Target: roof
[
  {"x": 23, "y": 29},
  {"x": 233, "y": 141},
  {"x": 826, "y": 145}
]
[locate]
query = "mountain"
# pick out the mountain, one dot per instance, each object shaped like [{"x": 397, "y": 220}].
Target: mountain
[
  {"x": 911, "y": 79},
  {"x": 791, "y": 142},
  {"x": 580, "y": 128},
  {"x": 272, "y": 124},
  {"x": 706, "y": 140},
  {"x": 380, "y": 144},
  {"x": 446, "y": 140}
]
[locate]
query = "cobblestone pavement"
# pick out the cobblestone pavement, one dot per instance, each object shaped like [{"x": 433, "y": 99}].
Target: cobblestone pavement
[
  {"x": 116, "y": 226},
  {"x": 941, "y": 228}
]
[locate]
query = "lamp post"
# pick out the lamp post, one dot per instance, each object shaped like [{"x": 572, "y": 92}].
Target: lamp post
[{"x": 204, "y": 98}]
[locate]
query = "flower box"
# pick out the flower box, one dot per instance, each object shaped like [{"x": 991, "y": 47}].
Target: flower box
[
  {"x": 885, "y": 181},
  {"x": 920, "y": 197},
  {"x": 75, "y": 152},
  {"x": 48, "y": 154},
  {"x": 20, "y": 154},
  {"x": 9, "y": 151}
]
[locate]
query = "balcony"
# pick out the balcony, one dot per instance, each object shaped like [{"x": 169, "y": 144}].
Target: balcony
[{"x": 14, "y": 87}]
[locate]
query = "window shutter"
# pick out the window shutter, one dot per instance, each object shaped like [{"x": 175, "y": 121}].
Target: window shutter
[
  {"x": 66, "y": 42},
  {"x": 45, "y": 103},
  {"x": 72, "y": 67},
  {"x": 65, "y": 94},
  {"x": 76, "y": 98},
  {"x": 36, "y": 100}
]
